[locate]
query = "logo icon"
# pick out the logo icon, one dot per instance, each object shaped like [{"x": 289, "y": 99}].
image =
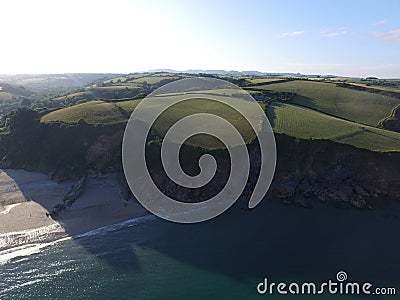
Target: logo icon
[
  {"x": 341, "y": 276},
  {"x": 203, "y": 107}
]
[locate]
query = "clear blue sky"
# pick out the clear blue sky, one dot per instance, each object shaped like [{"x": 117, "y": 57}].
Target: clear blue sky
[{"x": 354, "y": 38}]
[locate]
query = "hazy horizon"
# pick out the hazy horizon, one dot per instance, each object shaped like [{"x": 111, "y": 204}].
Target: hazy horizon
[
  {"x": 352, "y": 39},
  {"x": 193, "y": 71}
]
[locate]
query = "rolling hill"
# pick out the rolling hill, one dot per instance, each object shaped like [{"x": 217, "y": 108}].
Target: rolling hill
[
  {"x": 317, "y": 110},
  {"x": 92, "y": 112},
  {"x": 306, "y": 123},
  {"x": 358, "y": 106},
  {"x": 13, "y": 92}
]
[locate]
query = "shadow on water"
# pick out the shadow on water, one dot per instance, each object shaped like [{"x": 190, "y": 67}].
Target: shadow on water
[
  {"x": 271, "y": 240},
  {"x": 38, "y": 189}
]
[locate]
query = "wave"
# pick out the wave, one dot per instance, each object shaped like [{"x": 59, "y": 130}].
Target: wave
[
  {"x": 38, "y": 235},
  {"x": 20, "y": 244},
  {"x": 13, "y": 287},
  {"x": 113, "y": 227},
  {"x": 25, "y": 250}
]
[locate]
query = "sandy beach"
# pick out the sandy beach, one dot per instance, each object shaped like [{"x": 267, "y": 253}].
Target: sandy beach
[{"x": 26, "y": 197}]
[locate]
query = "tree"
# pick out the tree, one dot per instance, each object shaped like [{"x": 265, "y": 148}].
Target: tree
[{"x": 23, "y": 119}]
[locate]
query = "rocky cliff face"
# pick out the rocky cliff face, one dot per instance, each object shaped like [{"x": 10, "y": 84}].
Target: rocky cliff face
[
  {"x": 311, "y": 171},
  {"x": 102, "y": 153},
  {"x": 324, "y": 171},
  {"x": 307, "y": 170}
]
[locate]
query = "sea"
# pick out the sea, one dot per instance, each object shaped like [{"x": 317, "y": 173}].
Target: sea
[{"x": 224, "y": 258}]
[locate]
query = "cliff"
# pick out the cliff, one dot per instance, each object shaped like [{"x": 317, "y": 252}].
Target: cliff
[{"x": 307, "y": 170}]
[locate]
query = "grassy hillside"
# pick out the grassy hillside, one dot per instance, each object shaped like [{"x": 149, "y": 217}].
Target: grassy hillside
[
  {"x": 317, "y": 111},
  {"x": 62, "y": 82},
  {"x": 5, "y": 96},
  {"x": 193, "y": 106},
  {"x": 309, "y": 124},
  {"x": 259, "y": 80},
  {"x": 139, "y": 78},
  {"x": 114, "y": 92},
  {"x": 128, "y": 106},
  {"x": 384, "y": 84},
  {"x": 361, "y": 107},
  {"x": 155, "y": 78},
  {"x": 131, "y": 86},
  {"x": 13, "y": 92},
  {"x": 101, "y": 112},
  {"x": 92, "y": 112}
]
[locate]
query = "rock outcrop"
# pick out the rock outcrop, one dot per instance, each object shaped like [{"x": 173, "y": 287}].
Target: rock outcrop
[
  {"x": 73, "y": 194},
  {"x": 310, "y": 172},
  {"x": 333, "y": 173}
]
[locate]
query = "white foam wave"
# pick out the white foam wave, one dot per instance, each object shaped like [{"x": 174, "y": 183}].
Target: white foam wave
[
  {"x": 26, "y": 250},
  {"x": 37, "y": 235},
  {"x": 8, "y": 208},
  {"x": 20, "y": 244},
  {"x": 113, "y": 227}
]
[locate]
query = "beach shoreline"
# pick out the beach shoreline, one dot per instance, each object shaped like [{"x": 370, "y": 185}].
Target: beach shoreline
[{"x": 27, "y": 198}]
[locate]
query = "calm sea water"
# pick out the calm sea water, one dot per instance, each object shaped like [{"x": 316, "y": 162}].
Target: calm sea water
[{"x": 223, "y": 258}]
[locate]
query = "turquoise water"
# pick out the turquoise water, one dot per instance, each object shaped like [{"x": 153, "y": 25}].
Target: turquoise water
[{"x": 223, "y": 258}]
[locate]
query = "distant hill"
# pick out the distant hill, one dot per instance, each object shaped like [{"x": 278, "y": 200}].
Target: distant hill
[
  {"x": 242, "y": 73},
  {"x": 13, "y": 92},
  {"x": 36, "y": 90},
  {"x": 45, "y": 82}
]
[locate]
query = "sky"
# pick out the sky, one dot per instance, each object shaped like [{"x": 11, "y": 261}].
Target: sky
[{"x": 349, "y": 38}]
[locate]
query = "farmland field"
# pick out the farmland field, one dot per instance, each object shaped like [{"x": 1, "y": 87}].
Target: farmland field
[
  {"x": 101, "y": 112},
  {"x": 361, "y": 107},
  {"x": 384, "y": 84},
  {"x": 92, "y": 112},
  {"x": 5, "y": 96},
  {"x": 110, "y": 89},
  {"x": 154, "y": 79},
  {"x": 264, "y": 79},
  {"x": 319, "y": 111},
  {"x": 309, "y": 124},
  {"x": 128, "y": 106},
  {"x": 10, "y": 92},
  {"x": 194, "y": 106},
  {"x": 107, "y": 93}
]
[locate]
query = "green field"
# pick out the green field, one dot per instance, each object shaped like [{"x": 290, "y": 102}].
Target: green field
[
  {"x": 122, "y": 79},
  {"x": 114, "y": 92},
  {"x": 92, "y": 112},
  {"x": 318, "y": 111},
  {"x": 265, "y": 79},
  {"x": 204, "y": 105},
  {"x": 4, "y": 96},
  {"x": 309, "y": 124},
  {"x": 10, "y": 92},
  {"x": 150, "y": 78},
  {"x": 361, "y": 107},
  {"x": 101, "y": 112},
  {"x": 109, "y": 90},
  {"x": 155, "y": 79},
  {"x": 128, "y": 106},
  {"x": 72, "y": 96},
  {"x": 386, "y": 84}
]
